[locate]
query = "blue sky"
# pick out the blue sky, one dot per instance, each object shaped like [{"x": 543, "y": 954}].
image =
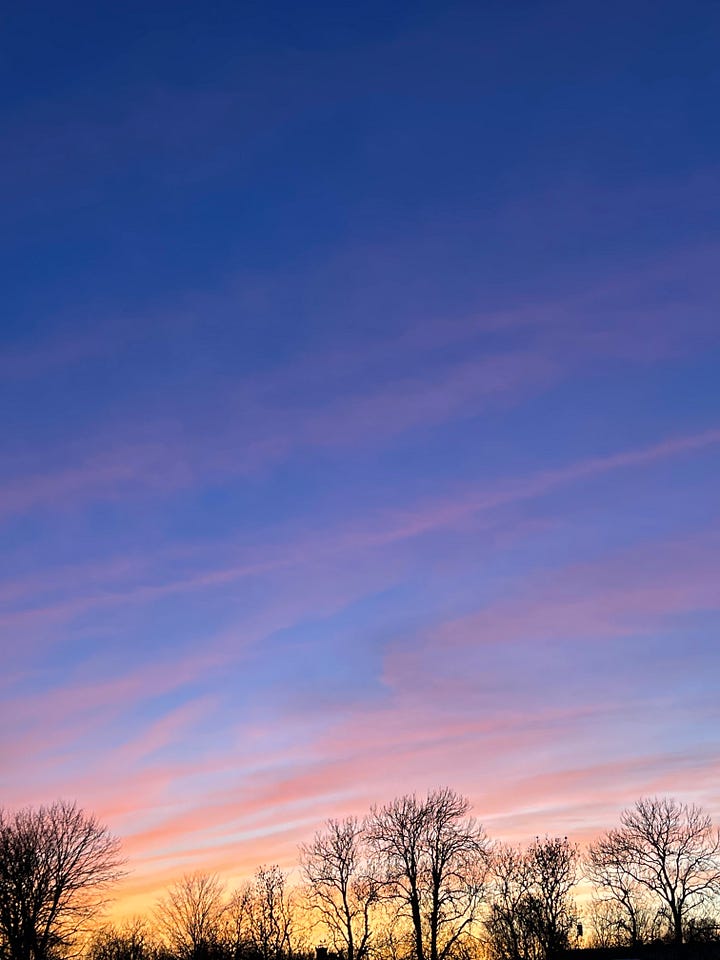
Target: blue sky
[{"x": 361, "y": 415}]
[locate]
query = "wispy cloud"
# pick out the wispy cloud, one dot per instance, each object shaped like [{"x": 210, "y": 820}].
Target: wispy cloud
[
  {"x": 138, "y": 580},
  {"x": 340, "y": 399}
]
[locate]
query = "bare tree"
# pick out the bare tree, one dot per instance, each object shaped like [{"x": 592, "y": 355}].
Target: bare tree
[
  {"x": 510, "y": 918},
  {"x": 262, "y": 916},
  {"x": 56, "y": 863},
  {"x": 393, "y": 937},
  {"x": 130, "y": 941},
  {"x": 343, "y": 887},
  {"x": 671, "y": 850},
  {"x": 609, "y": 924},
  {"x": 435, "y": 859},
  {"x": 532, "y": 912},
  {"x": 621, "y": 912},
  {"x": 190, "y": 916},
  {"x": 553, "y": 865}
]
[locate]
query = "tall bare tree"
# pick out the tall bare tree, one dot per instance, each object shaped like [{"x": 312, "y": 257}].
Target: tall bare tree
[
  {"x": 672, "y": 850},
  {"x": 435, "y": 859},
  {"x": 509, "y": 922},
  {"x": 553, "y": 866},
  {"x": 532, "y": 912},
  {"x": 262, "y": 916},
  {"x": 190, "y": 916},
  {"x": 342, "y": 884},
  {"x": 56, "y": 863}
]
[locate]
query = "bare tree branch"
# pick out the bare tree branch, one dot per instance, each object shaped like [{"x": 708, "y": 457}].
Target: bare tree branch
[
  {"x": 190, "y": 915},
  {"x": 56, "y": 863},
  {"x": 343, "y": 885},
  {"x": 667, "y": 848},
  {"x": 435, "y": 857}
]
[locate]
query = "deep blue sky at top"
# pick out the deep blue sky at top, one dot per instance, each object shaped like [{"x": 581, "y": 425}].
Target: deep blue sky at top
[
  {"x": 367, "y": 165},
  {"x": 153, "y": 146},
  {"x": 194, "y": 193}
]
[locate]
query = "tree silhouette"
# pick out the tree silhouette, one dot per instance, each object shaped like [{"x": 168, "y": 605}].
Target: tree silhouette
[
  {"x": 131, "y": 941},
  {"x": 262, "y": 916},
  {"x": 55, "y": 864},
  {"x": 343, "y": 885},
  {"x": 435, "y": 860},
  {"x": 621, "y": 912},
  {"x": 532, "y": 912},
  {"x": 190, "y": 916},
  {"x": 671, "y": 850}
]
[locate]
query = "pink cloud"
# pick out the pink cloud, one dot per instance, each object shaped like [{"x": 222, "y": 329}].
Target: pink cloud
[{"x": 617, "y": 596}]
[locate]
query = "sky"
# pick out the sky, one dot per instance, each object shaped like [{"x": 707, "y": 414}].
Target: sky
[{"x": 360, "y": 406}]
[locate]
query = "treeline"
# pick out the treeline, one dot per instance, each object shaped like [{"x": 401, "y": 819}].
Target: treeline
[{"x": 416, "y": 879}]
